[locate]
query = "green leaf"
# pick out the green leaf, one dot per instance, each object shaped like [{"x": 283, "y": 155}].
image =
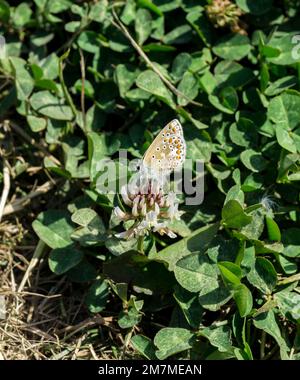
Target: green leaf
[
  {"x": 291, "y": 241},
  {"x": 72, "y": 26},
  {"x": 284, "y": 110},
  {"x": 195, "y": 272},
  {"x": 149, "y": 5},
  {"x": 257, "y": 7},
  {"x": 63, "y": 259},
  {"x": 264, "y": 77},
  {"x": 143, "y": 25},
  {"x": 54, "y": 228},
  {"x": 233, "y": 215},
  {"x": 144, "y": 346},
  {"x": 197, "y": 241},
  {"x": 280, "y": 85},
  {"x": 126, "y": 75},
  {"x": 263, "y": 275},
  {"x": 253, "y": 160},
  {"x": 129, "y": 12},
  {"x": 181, "y": 64},
  {"x": 22, "y": 15},
  {"x": 36, "y": 124},
  {"x": 121, "y": 290},
  {"x": 267, "y": 322},
  {"x": 82, "y": 272},
  {"x": 50, "y": 66},
  {"x": 179, "y": 35},
  {"x": 285, "y": 139},
  {"x": 219, "y": 337},
  {"x": 214, "y": 295},
  {"x": 232, "y": 74},
  {"x": 92, "y": 230},
  {"x": 132, "y": 316},
  {"x": 170, "y": 341},
  {"x": 243, "y": 133},
  {"x": 229, "y": 98},
  {"x": 286, "y": 44},
  {"x": 199, "y": 146},
  {"x": 235, "y": 193},
  {"x": 118, "y": 246},
  {"x": 233, "y": 47},
  {"x": 88, "y": 41},
  {"x": 125, "y": 267},
  {"x": 230, "y": 271},
  {"x": 288, "y": 303},
  {"x": 243, "y": 299},
  {"x": 98, "y": 11},
  {"x": 149, "y": 81},
  {"x": 129, "y": 318},
  {"x": 49, "y": 105},
  {"x": 87, "y": 217},
  {"x": 254, "y": 229},
  {"x": 201, "y": 25},
  {"x": 189, "y": 87},
  {"x": 273, "y": 229},
  {"x": 189, "y": 305},
  {"x": 97, "y": 296},
  {"x": 4, "y": 11},
  {"x": 99, "y": 147},
  {"x": 288, "y": 265},
  {"x": 24, "y": 81}
]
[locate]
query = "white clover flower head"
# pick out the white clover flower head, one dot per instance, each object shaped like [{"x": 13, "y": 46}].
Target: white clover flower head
[{"x": 150, "y": 208}]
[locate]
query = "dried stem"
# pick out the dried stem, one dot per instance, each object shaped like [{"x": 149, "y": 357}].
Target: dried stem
[
  {"x": 19, "y": 204},
  {"x": 6, "y": 186},
  {"x": 288, "y": 280},
  {"x": 118, "y": 24},
  {"x": 40, "y": 248}
]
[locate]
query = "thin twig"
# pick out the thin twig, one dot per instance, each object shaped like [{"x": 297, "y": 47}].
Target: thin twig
[
  {"x": 6, "y": 186},
  {"x": 19, "y": 204},
  {"x": 40, "y": 248},
  {"x": 82, "y": 68},
  {"x": 92, "y": 351},
  {"x": 71, "y": 330},
  {"x": 63, "y": 84},
  {"x": 288, "y": 280},
  {"x": 32, "y": 141},
  {"x": 24, "y": 294},
  {"x": 118, "y": 24}
]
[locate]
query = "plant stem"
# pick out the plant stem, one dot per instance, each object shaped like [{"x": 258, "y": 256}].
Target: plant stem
[
  {"x": 63, "y": 85},
  {"x": 262, "y": 344},
  {"x": 39, "y": 250},
  {"x": 288, "y": 280},
  {"x": 141, "y": 244},
  {"x": 82, "y": 99},
  {"x": 118, "y": 24}
]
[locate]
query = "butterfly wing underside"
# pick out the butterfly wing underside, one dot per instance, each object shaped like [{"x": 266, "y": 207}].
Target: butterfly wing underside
[{"x": 168, "y": 150}]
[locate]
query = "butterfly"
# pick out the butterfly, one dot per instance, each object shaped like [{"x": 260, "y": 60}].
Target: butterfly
[{"x": 167, "y": 151}]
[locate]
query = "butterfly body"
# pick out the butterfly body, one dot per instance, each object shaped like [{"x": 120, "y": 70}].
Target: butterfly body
[{"x": 167, "y": 151}]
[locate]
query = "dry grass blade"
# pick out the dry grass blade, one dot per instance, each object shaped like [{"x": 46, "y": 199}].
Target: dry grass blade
[
  {"x": 6, "y": 186},
  {"x": 119, "y": 25},
  {"x": 19, "y": 204}
]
